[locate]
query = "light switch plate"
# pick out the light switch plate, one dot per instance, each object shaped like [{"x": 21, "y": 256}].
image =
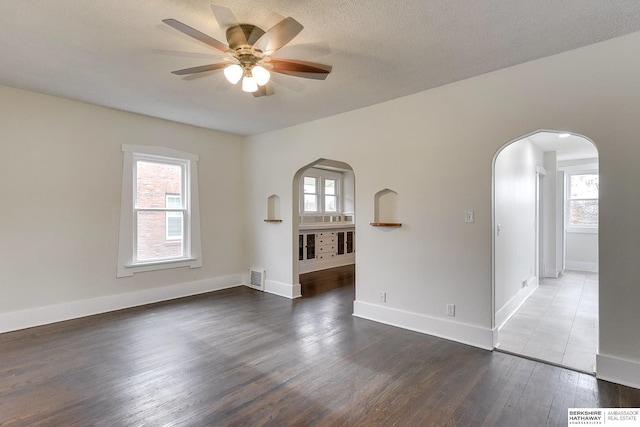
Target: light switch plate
[{"x": 469, "y": 217}]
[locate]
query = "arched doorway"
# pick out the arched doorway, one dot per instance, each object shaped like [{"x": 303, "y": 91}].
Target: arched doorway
[
  {"x": 324, "y": 232},
  {"x": 545, "y": 248}
]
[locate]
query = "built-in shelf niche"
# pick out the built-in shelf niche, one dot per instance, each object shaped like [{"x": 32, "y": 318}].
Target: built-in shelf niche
[
  {"x": 385, "y": 204},
  {"x": 273, "y": 209}
]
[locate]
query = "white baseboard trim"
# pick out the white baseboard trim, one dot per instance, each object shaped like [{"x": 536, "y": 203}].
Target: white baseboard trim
[
  {"x": 503, "y": 314},
  {"x": 591, "y": 267},
  {"x": 283, "y": 289},
  {"x": 552, "y": 273},
  {"x": 22, "y": 319},
  {"x": 455, "y": 331},
  {"x": 616, "y": 370},
  {"x": 316, "y": 265}
]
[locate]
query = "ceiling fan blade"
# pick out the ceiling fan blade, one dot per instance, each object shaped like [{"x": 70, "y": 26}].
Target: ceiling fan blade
[
  {"x": 266, "y": 90},
  {"x": 192, "y": 32},
  {"x": 279, "y": 35},
  {"x": 308, "y": 70},
  {"x": 185, "y": 54},
  {"x": 304, "y": 51},
  {"x": 200, "y": 69},
  {"x": 224, "y": 16},
  {"x": 226, "y": 19}
]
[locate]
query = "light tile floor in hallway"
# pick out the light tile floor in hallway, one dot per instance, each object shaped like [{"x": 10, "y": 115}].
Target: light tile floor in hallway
[{"x": 558, "y": 323}]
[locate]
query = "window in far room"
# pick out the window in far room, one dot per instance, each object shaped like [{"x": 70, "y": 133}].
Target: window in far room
[
  {"x": 330, "y": 195},
  {"x": 582, "y": 197},
  {"x": 320, "y": 192},
  {"x": 310, "y": 199}
]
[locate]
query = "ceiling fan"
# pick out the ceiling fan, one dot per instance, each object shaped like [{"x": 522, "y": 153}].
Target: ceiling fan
[{"x": 250, "y": 51}]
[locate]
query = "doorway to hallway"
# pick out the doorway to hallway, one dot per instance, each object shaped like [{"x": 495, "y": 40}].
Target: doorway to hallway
[{"x": 545, "y": 243}]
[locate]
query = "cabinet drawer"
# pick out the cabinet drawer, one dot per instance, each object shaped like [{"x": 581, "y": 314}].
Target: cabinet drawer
[
  {"x": 326, "y": 256},
  {"x": 326, "y": 240},
  {"x": 326, "y": 234},
  {"x": 327, "y": 248}
]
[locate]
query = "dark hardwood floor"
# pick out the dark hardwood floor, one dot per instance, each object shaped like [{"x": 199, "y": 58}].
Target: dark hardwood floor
[
  {"x": 240, "y": 357},
  {"x": 320, "y": 281}
]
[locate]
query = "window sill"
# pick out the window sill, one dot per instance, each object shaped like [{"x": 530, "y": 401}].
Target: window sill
[
  {"x": 161, "y": 262},
  {"x": 128, "y": 270},
  {"x": 583, "y": 230}
]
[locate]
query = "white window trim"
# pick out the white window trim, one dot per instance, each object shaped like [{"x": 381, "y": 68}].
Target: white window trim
[
  {"x": 126, "y": 265},
  {"x": 321, "y": 175},
  {"x": 578, "y": 170}
]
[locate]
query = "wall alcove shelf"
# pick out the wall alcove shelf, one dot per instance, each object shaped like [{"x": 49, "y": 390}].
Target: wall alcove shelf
[
  {"x": 385, "y": 203},
  {"x": 273, "y": 209}
]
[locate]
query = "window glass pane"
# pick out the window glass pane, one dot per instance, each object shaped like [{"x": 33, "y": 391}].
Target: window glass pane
[
  {"x": 584, "y": 186},
  {"x": 583, "y": 212},
  {"x": 152, "y": 240},
  {"x": 173, "y": 201},
  {"x": 309, "y": 185},
  {"x": 154, "y": 180},
  {"x": 330, "y": 186},
  {"x": 330, "y": 203},
  {"x": 174, "y": 225},
  {"x": 310, "y": 203}
]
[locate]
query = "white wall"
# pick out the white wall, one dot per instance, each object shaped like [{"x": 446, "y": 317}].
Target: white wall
[
  {"x": 551, "y": 212},
  {"x": 582, "y": 251},
  {"x": 435, "y": 149},
  {"x": 61, "y": 173},
  {"x": 515, "y": 215}
]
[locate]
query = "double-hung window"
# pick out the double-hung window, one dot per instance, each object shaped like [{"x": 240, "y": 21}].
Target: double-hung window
[
  {"x": 330, "y": 195},
  {"x": 159, "y": 219},
  {"x": 582, "y": 201},
  {"x": 320, "y": 192},
  {"x": 310, "y": 193}
]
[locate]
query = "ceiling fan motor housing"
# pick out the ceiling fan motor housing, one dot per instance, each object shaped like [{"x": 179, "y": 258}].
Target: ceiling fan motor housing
[{"x": 238, "y": 36}]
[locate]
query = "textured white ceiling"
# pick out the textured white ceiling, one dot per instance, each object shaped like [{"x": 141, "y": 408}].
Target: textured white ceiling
[{"x": 117, "y": 53}]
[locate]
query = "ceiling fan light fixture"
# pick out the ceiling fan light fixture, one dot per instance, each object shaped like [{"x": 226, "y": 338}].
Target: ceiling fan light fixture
[
  {"x": 249, "y": 84},
  {"x": 261, "y": 75},
  {"x": 247, "y": 46},
  {"x": 233, "y": 73}
]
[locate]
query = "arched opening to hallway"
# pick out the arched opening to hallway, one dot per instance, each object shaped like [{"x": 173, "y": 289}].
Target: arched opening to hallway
[{"x": 545, "y": 248}]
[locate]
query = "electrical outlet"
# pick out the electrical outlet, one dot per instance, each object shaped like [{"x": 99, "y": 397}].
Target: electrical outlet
[
  {"x": 383, "y": 297},
  {"x": 451, "y": 310}
]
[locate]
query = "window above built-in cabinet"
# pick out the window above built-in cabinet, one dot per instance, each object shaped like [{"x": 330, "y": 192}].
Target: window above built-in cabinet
[{"x": 322, "y": 197}]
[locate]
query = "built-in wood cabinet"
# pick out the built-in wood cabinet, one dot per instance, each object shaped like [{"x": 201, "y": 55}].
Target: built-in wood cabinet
[{"x": 326, "y": 248}]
